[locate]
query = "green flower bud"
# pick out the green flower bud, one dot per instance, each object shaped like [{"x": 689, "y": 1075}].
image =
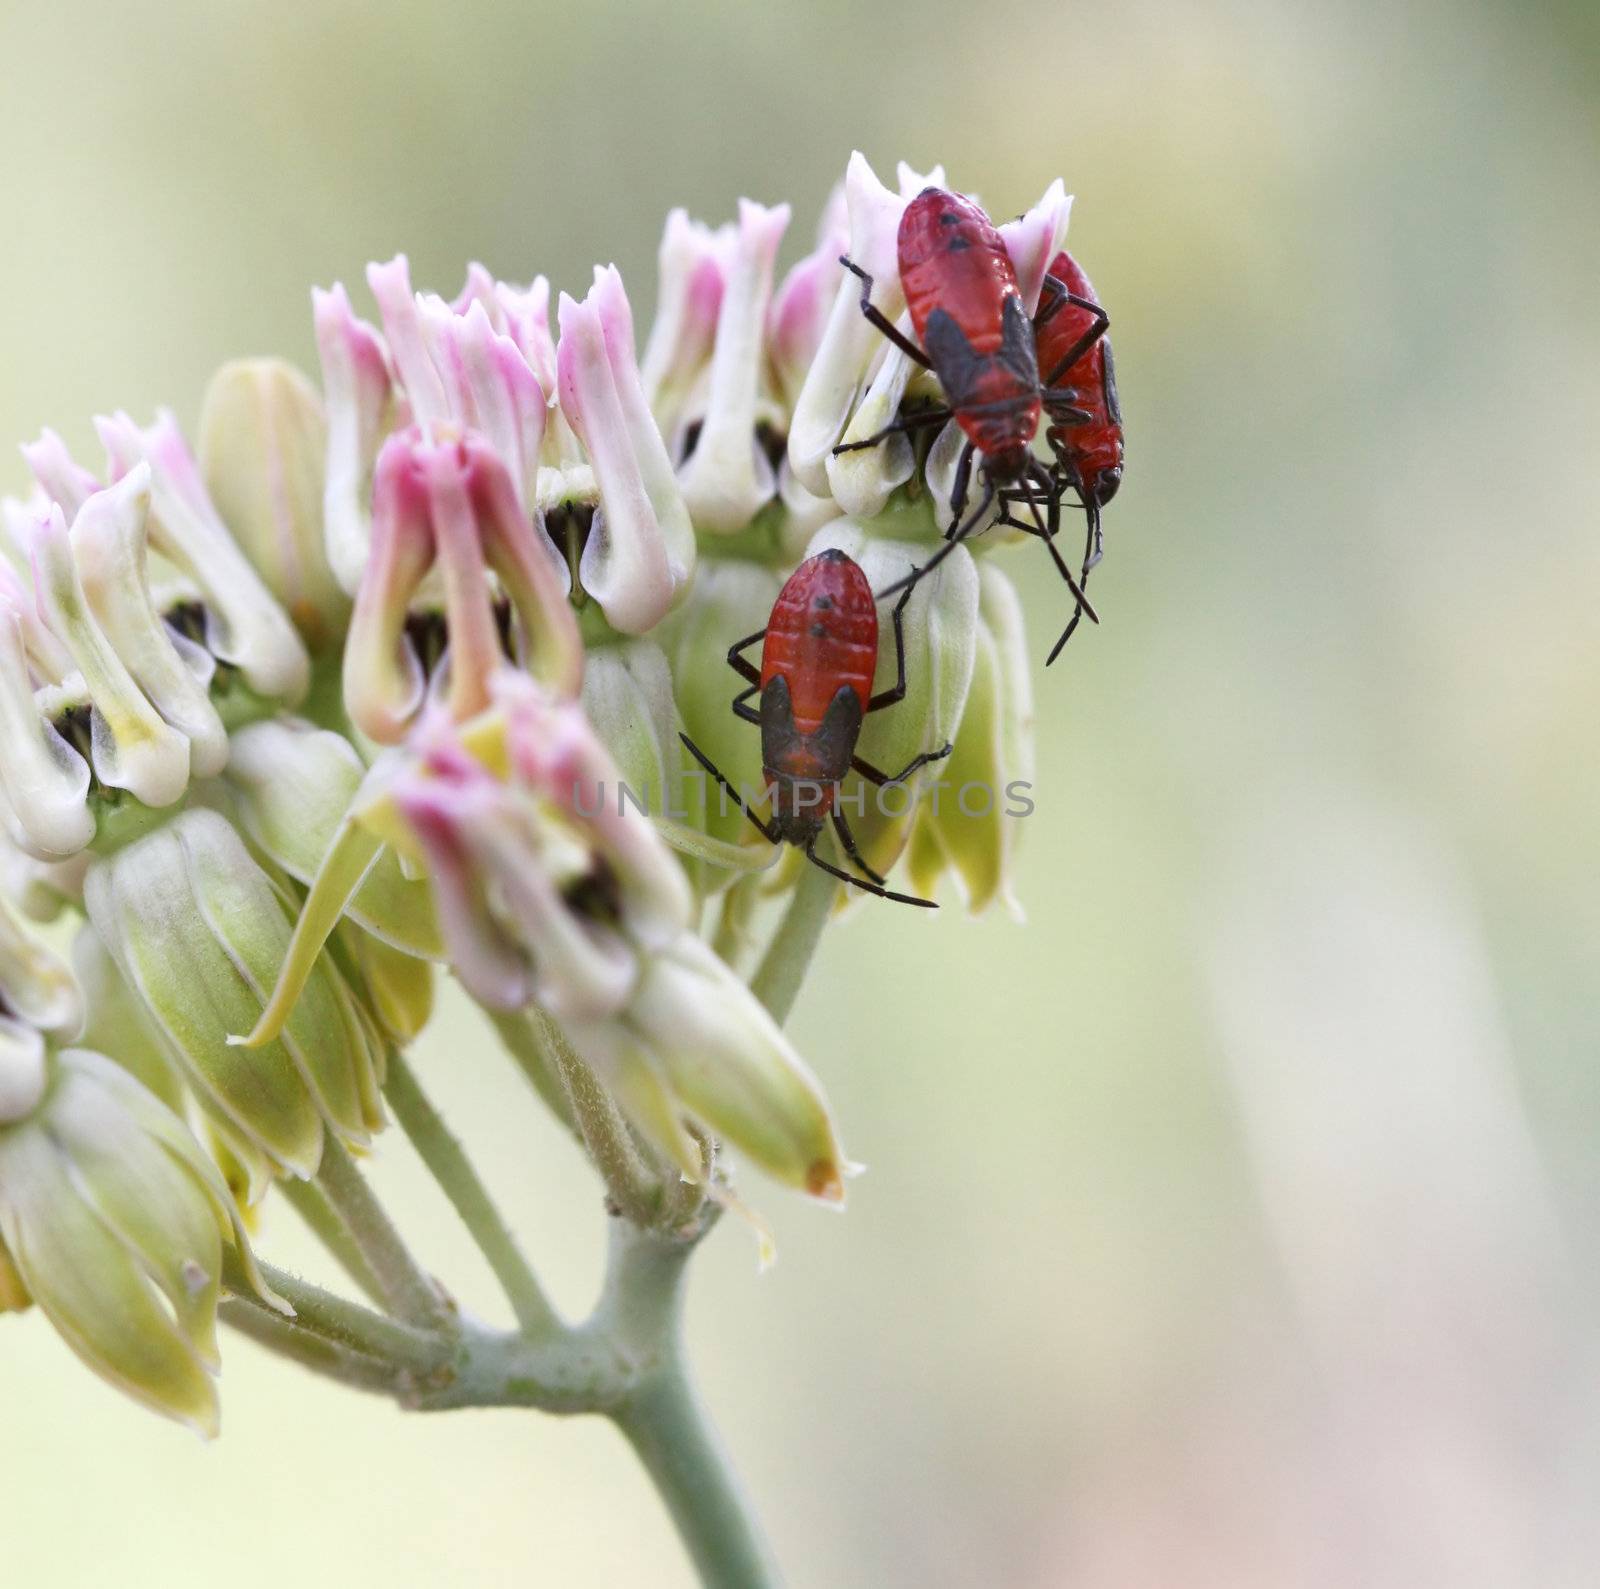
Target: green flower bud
[
  {"x": 729, "y": 600},
  {"x": 115, "y": 1023},
  {"x": 694, "y": 1044},
  {"x": 35, "y": 986},
  {"x": 38, "y": 890},
  {"x": 294, "y": 784},
  {"x": 14, "y": 1296},
  {"x": 114, "y": 1221},
  {"x": 399, "y": 986},
  {"x": 965, "y": 827},
  {"x": 627, "y": 694},
  {"x": 262, "y": 443},
  {"x": 199, "y": 933}
]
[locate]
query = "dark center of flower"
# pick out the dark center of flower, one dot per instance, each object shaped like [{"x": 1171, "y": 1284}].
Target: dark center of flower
[
  {"x": 568, "y": 525},
  {"x": 597, "y": 894}
]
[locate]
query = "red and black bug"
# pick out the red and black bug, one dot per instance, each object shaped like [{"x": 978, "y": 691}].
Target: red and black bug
[
  {"x": 1085, "y": 431},
  {"x": 815, "y": 684},
  {"x": 967, "y": 309}
]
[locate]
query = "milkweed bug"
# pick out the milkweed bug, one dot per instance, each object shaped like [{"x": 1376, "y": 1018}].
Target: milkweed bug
[
  {"x": 819, "y": 654},
  {"x": 966, "y": 307},
  {"x": 1085, "y": 432}
]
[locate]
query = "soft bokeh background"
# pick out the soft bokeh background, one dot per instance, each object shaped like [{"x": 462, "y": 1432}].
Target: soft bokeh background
[{"x": 1233, "y": 1223}]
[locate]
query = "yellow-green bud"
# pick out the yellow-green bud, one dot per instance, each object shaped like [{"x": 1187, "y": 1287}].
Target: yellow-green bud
[
  {"x": 398, "y": 986},
  {"x": 294, "y": 784},
  {"x": 35, "y": 985},
  {"x": 729, "y": 600},
  {"x": 627, "y": 694},
  {"x": 115, "y": 1023},
  {"x": 262, "y": 445},
  {"x": 199, "y": 933},
  {"x": 694, "y": 1044},
  {"x": 115, "y": 1222},
  {"x": 972, "y": 826},
  {"x": 13, "y": 1294}
]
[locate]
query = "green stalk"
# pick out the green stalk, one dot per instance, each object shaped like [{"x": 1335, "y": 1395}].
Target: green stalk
[
  {"x": 449, "y": 1165},
  {"x": 342, "y": 1323},
  {"x": 664, "y": 1419},
  {"x": 783, "y": 967},
  {"x": 547, "y": 1058},
  {"x": 666, "y": 1424},
  {"x": 407, "y": 1288},
  {"x": 308, "y": 1349},
  {"x": 311, "y": 1203}
]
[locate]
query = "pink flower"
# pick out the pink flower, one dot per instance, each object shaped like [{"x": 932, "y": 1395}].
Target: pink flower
[
  {"x": 450, "y": 504},
  {"x": 640, "y": 552}
]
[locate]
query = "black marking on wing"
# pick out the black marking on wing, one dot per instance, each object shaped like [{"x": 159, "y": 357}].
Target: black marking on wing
[
  {"x": 777, "y": 720},
  {"x": 1113, "y": 403},
  {"x": 1018, "y": 355},
  {"x": 835, "y": 741},
  {"x": 956, "y": 362}
]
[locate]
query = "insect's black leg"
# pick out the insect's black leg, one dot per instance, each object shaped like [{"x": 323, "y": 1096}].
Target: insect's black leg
[
  {"x": 958, "y": 490},
  {"x": 897, "y": 690},
  {"x": 951, "y": 543},
  {"x": 767, "y": 830},
  {"x": 1060, "y": 410},
  {"x": 848, "y": 840},
  {"x": 1052, "y": 498},
  {"x": 748, "y": 713},
  {"x": 1102, "y": 323},
  {"x": 1084, "y": 607},
  {"x": 742, "y": 665},
  {"x": 1056, "y": 291},
  {"x": 907, "y": 422},
  {"x": 876, "y": 317},
  {"x": 1093, "y": 542},
  {"x": 883, "y": 780},
  {"x": 865, "y": 886},
  {"x": 1094, "y": 546}
]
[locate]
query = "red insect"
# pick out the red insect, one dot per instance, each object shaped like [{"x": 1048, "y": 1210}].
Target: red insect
[
  {"x": 961, "y": 289},
  {"x": 1085, "y": 432},
  {"x": 815, "y": 683}
]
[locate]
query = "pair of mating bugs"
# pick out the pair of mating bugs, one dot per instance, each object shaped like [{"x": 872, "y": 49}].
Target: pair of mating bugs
[{"x": 820, "y": 646}]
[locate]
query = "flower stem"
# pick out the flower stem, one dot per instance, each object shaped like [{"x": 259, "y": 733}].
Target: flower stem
[
  {"x": 407, "y": 1288},
  {"x": 542, "y": 1049},
  {"x": 311, "y": 1203},
  {"x": 345, "y": 1324},
  {"x": 667, "y": 1427},
  {"x": 308, "y": 1349},
  {"x": 664, "y": 1419},
  {"x": 526, "y": 1046},
  {"x": 459, "y": 1180},
  {"x": 783, "y": 967}
]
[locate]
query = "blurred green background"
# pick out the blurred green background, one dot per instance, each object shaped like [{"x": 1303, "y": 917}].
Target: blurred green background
[{"x": 1234, "y": 1221}]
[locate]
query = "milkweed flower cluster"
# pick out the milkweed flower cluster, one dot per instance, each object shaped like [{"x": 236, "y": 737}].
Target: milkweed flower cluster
[{"x": 349, "y": 693}]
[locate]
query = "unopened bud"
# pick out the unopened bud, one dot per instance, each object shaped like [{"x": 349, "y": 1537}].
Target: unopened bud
[
  {"x": 974, "y": 828},
  {"x": 694, "y": 1045},
  {"x": 199, "y": 932},
  {"x": 295, "y": 785},
  {"x": 115, "y": 1222},
  {"x": 263, "y": 445}
]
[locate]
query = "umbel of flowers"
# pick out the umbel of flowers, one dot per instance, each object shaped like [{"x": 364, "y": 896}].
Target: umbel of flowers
[{"x": 349, "y": 694}]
